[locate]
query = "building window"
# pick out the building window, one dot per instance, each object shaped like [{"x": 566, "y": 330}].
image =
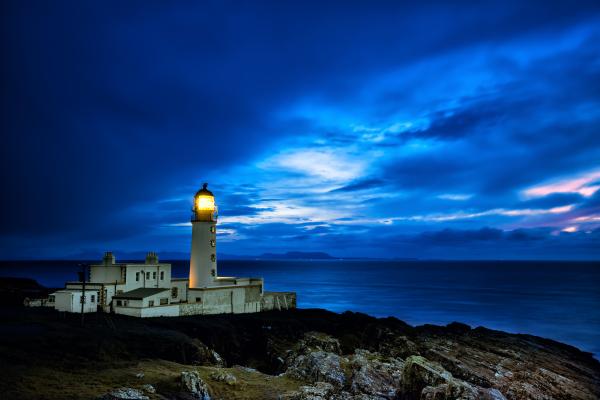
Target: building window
[
  {"x": 51, "y": 299},
  {"x": 198, "y": 299},
  {"x": 212, "y": 272},
  {"x": 147, "y": 275},
  {"x": 137, "y": 276},
  {"x": 93, "y": 298},
  {"x": 119, "y": 303},
  {"x": 174, "y": 292},
  {"x": 154, "y": 275},
  {"x": 213, "y": 229},
  {"x": 213, "y": 243},
  {"x": 150, "y": 303},
  {"x": 164, "y": 301},
  {"x": 125, "y": 303},
  {"x": 162, "y": 275},
  {"x": 213, "y": 257}
]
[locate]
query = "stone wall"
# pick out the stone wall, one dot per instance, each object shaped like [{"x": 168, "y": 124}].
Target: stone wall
[{"x": 278, "y": 301}]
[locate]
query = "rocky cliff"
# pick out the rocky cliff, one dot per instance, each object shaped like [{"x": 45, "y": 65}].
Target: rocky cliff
[{"x": 298, "y": 354}]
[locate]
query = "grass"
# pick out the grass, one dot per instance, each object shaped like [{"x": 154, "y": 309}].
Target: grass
[{"x": 45, "y": 383}]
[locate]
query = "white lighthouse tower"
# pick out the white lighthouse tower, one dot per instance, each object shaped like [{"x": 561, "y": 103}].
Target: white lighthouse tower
[{"x": 203, "y": 261}]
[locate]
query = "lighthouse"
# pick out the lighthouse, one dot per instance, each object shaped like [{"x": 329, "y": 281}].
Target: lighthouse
[
  {"x": 203, "y": 260},
  {"x": 148, "y": 289}
]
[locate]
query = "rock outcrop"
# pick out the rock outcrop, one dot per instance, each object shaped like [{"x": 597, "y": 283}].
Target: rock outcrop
[
  {"x": 125, "y": 394},
  {"x": 316, "y": 359},
  {"x": 192, "y": 384},
  {"x": 223, "y": 376},
  {"x": 374, "y": 375},
  {"x": 299, "y": 354},
  {"x": 371, "y": 375}
]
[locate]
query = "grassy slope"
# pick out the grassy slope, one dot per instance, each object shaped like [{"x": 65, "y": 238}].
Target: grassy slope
[{"x": 46, "y": 383}]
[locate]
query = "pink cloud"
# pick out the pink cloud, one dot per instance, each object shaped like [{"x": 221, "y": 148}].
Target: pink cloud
[{"x": 583, "y": 184}]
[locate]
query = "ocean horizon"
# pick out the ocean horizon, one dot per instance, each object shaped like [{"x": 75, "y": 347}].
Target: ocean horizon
[{"x": 559, "y": 300}]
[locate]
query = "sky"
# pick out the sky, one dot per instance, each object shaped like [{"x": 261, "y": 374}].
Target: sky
[{"x": 363, "y": 129}]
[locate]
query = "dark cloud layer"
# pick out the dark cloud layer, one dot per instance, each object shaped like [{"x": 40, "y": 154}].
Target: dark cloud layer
[{"x": 316, "y": 124}]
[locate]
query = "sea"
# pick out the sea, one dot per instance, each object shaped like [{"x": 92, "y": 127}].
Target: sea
[{"x": 556, "y": 300}]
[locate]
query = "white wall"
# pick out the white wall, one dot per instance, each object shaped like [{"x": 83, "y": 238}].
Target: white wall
[
  {"x": 201, "y": 263},
  {"x": 149, "y": 276},
  {"x": 181, "y": 286},
  {"x": 156, "y": 299},
  {"x": 105, "y": 273},
  {"x": 132, "y": 312},
  {"x": 161, "y": 311},
  {"x": 223, "y": 300},
  {"x": 70, "y": 301}
]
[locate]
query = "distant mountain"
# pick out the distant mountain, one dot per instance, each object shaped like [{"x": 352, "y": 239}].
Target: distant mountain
[
  {"x": 139, "y": 256},
  {"x": 297, "y": 255}
]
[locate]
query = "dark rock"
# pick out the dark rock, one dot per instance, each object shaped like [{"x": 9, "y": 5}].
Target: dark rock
[
  {"x": 318, "y": 391},
  {"x": 318, "y": 366},
  {"x": 192, "y": 384},
  {"x": 372, "y": 375},
  {"x": 223, "y": 376},
  {"x": 125, "y": 394}
]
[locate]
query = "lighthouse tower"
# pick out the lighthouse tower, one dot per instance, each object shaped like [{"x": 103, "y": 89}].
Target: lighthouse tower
[{"x": 203, "y": 261}]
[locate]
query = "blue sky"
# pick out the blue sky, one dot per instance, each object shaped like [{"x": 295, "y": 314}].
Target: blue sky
[{"x": 375, "y": 129}]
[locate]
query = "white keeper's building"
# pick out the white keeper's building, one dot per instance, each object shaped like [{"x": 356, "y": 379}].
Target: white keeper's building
[{"x": 148, "y": 290}]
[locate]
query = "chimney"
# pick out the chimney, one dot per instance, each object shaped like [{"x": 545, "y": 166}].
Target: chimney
[
  {"x": 109, "y": 258},
  {"x": 151, "y": 258}
]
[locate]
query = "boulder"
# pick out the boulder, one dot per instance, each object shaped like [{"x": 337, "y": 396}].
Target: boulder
[
  {"x": 426, "y": 380},
  {"x": 217, "y": 359},
  {"x": 419, "y": 373},
  {"x": 375, "y": 376},
  {"x": 223, "y": 376},
  {"x": 125, "y": 394},
  {"x": 319, "y": 341},
  {"x": 194, "y": 385},
  {"x": 148, "y": 388},
  {"x": 452, "y": 390},
  {"x": 318, "y": 366},
  {"x": 319, "y": 391}
]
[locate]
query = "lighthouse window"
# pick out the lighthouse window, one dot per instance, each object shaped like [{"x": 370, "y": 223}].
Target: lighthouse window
[
  {"x": 212, "y": 272},
  {"x": 213, "y": 243},
  {"x": 213, "y": 257},
  {"x": 213, "y": 229},
  {"x": 137, "y": 276},
  {"x": 174, "y": 292}
]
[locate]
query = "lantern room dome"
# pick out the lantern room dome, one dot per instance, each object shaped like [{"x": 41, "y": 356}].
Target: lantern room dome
[{"x": 204, "y": 191}]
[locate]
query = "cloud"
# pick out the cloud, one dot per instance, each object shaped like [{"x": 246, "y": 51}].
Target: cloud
[
  {"x": 363, "y": 184},
  {"x": 585, "y": 185},
  {"x": 455, "y": 196},
  {"x": 469, "y": 127}
]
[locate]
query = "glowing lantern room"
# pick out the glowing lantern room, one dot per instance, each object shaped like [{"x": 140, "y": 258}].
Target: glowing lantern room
[{"x": 205, "y": 208}]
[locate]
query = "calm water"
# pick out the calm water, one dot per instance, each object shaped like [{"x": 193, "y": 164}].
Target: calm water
[{"x": 558, "y": 300}]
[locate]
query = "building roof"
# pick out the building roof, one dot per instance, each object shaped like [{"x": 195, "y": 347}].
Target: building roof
[{"x": 140, "y": 293}]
